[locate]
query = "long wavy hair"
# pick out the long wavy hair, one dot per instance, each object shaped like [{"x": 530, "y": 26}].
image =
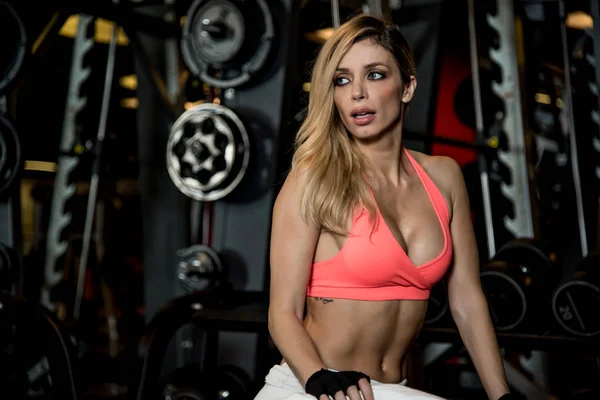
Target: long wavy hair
[{"x": 325, "y": 152}]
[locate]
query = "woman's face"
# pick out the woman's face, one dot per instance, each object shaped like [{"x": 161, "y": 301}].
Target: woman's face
[{"x": 368, "y": 90}]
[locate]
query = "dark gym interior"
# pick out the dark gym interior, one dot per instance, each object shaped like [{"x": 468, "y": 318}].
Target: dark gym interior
[{"x": 129, "y": 269}]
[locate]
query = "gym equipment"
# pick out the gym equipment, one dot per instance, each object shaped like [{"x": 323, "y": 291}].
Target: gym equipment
[
  {"x": 227, "y": 42},
  {"x": 514, "y": 157},
  {"x": 187, "y": 383},
  {"x": 13, "y": 46},
  {"x": 199, "y": 267},
  {"x": 231, "y": 382},
  {"x": 517, "y": 283},
  {"x": 483, "y": 174},
  {"x": 10, "y": 155},
  {"x": 568, "y": 101},
  {"x": 9, "y": 267},
  {"x": 437, "y": 306},
  {"x": 94, "y": 181},
  {"x": 576, "y": 301},
  {"x": 208, "y": 152},
  {"x": 225, "y": 382},
  {"x": 64, "y": 190},
  {"x": 213, "y": 310},
  {"x": 43, "y": 335}
]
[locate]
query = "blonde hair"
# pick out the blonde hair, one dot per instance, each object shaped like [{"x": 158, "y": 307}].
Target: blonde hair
[{"x": 334, "y": 167}]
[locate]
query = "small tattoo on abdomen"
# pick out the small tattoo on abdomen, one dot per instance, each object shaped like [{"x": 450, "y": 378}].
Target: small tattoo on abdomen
[{"x": 323, "y": 300}]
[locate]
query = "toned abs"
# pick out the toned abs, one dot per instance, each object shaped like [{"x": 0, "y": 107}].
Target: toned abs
[{"x": 372, "y": 337}]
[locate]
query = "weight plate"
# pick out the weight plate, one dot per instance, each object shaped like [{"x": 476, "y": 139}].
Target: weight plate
[
  {"x": 527, "y": 253},
  {"x": 13, "y": 45},
  {"x": 10, "y": 155},
  {"x": 506, "y": 299},
  {"x": 575, "y": 305},
  {"x": 199, "y": 268},
  {"x": 208, "y": 152},
  {"x": 575, "y": 302},
  {"x": 226, "y": 42}
]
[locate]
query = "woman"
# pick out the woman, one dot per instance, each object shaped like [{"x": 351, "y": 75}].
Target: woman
[{"x": 362, "y": 229}]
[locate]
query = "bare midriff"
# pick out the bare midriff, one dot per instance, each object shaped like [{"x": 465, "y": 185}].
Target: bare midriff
[{"x": 374, "y": 337}]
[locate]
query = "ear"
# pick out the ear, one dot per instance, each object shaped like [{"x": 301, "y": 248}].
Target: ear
[{"x": 409, "y": 89}]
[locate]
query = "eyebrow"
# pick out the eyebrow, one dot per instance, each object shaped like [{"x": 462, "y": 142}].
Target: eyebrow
[{"x": 367, "y": 66}]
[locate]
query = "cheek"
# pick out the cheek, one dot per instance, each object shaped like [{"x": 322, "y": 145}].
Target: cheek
[{"x": 390, "y": 96}]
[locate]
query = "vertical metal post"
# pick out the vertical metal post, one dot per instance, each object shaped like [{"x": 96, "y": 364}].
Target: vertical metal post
[
  {"x": 335, "y": 13},
  {"x": 571, "y": 132},
  {"x": 482, "y": 160}
]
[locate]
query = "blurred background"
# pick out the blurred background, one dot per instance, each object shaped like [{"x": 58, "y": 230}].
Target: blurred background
[{"x": 143, "y": 142}]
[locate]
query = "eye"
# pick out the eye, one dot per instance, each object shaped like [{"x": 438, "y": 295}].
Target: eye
[
  {"x": 340, "y": 81},
  {"x": 375, "y": 75}
]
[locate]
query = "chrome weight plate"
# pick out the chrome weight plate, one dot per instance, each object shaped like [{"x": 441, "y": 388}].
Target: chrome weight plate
[
  {"x": 226, "y": 42},
  {"x": 208, "y": 152}
]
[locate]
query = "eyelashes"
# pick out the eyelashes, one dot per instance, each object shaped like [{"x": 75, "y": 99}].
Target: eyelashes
[{"x": 374, "y": 76}]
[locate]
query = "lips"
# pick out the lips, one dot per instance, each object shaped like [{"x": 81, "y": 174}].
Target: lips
[{"x": 363, "y": 115}]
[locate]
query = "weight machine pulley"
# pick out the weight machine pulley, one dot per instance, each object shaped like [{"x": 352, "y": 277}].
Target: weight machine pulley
[{"x": 225, "y": 43}]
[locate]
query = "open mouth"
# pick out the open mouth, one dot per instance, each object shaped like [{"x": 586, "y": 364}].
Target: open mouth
[{"x": 362, "y": 115}]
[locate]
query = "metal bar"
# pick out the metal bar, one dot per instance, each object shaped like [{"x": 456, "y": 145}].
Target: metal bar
[
  {"x": 93, "y": 192},
  {"x": 524, "y": 385},
  {"x": 482, "y": 159},
  {"x": 335, "y": 13},
  {"x": 571, "y": 132}
]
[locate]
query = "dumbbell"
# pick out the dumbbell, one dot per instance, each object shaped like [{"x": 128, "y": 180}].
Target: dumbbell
[
  {"x": 518, "y": 283},
  {"x": 576, "y": 300}
]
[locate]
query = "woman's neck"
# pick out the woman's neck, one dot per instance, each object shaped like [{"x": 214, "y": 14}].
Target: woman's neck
[{"x": 384, "y": 158}]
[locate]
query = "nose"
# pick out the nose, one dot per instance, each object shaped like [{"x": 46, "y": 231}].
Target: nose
[{"x": 358, "y": 90}]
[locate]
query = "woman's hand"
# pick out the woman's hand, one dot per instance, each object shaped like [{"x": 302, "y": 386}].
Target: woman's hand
[{"x": 325, "y": 383}]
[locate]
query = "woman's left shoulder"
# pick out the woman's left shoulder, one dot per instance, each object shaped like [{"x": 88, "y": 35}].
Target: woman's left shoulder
[{"x": 445, "y": 171}]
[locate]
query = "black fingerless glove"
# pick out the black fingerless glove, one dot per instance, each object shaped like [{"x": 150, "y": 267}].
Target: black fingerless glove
[{"x": 329, "y": 382}]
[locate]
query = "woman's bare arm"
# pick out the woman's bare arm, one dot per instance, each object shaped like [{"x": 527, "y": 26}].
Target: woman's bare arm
[
  {"x": 467, "y": 301},
  {"x": 293, "y": 242}
]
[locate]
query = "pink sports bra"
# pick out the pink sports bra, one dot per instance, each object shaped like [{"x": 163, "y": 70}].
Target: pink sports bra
[{"x": 375, "y": 266}]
